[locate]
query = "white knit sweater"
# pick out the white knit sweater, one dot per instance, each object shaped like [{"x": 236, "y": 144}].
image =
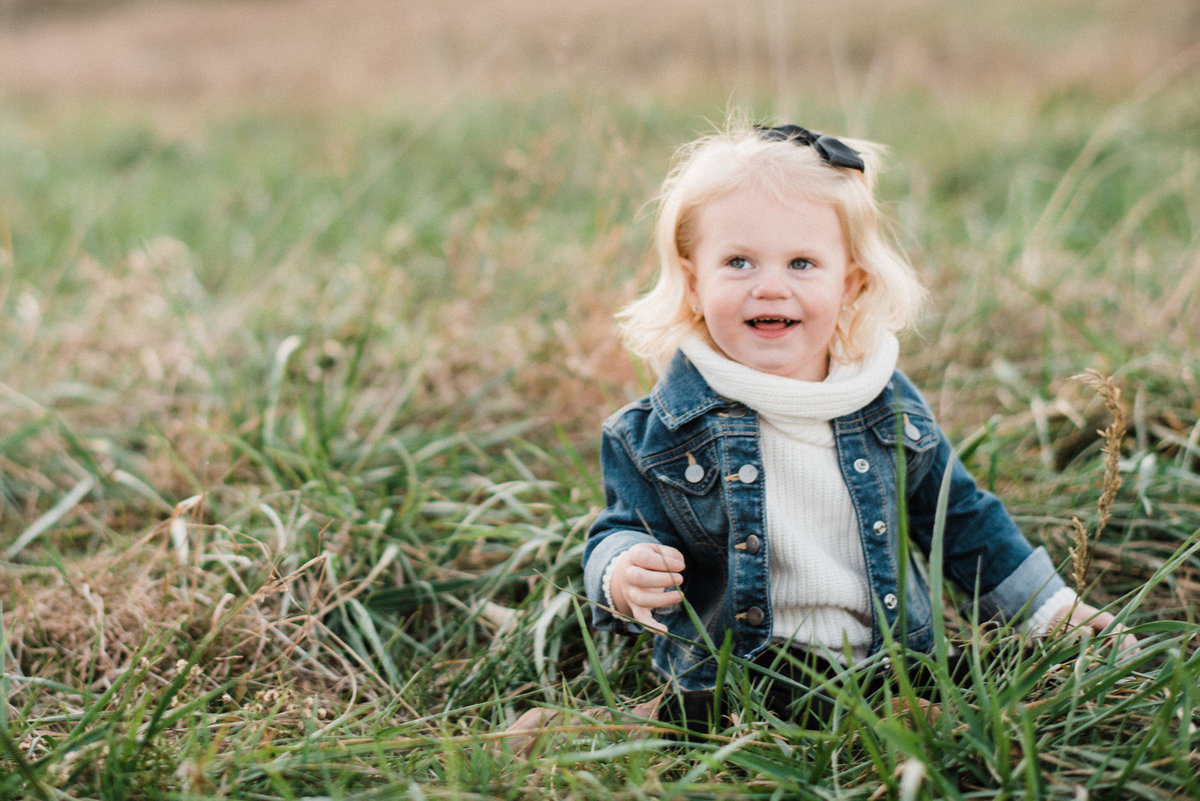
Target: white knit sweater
[{"x": 818, "y": 578}]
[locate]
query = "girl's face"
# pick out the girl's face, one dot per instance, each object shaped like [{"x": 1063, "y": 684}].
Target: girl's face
[{"x": 770, "y": 279}]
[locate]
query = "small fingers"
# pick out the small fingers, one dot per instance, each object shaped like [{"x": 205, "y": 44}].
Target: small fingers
[
  {"x": 1126, "y": 644},
  {"x": 641, "y": 578},
  {"x": 644, "y": 616},
  {"x": 662, "y": 558},
  {"x": 644, "y": 602},
  {"x": 652, "y": 599},
  {"x": 647, "y": 578},
  {"x": 1118, "y": 634},
  {"x": 1084, "y": 615}
]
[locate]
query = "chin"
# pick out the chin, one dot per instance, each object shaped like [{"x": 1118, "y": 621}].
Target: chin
[{"x": 779, "y": 370}]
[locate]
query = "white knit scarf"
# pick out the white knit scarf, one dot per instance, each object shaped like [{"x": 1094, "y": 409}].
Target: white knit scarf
[{"x": 789, "y": 403}]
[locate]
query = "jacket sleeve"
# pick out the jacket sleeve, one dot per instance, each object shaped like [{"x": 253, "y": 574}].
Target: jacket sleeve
[
  {"x": 984, "y": 552},
  {"x": 633, "y": 514}
]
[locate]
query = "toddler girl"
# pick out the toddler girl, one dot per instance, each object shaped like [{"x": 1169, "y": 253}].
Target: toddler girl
[{"x": 760, "y": 480}]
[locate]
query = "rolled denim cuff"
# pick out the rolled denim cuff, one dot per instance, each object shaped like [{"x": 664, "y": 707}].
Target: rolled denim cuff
[
  {"x": 1026, "y": 589},
  {"x": 598, "y": 560}
]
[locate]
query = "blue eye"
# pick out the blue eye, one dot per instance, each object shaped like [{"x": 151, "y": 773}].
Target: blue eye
[
  {"x": 738, "y": 262},
  {"x": 801, "y": 264}
]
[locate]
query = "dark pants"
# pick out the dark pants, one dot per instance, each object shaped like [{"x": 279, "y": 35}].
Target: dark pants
[{"x": 795, "y": 685}]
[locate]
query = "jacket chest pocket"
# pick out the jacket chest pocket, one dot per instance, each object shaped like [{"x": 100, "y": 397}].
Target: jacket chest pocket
[
  {"x": 917, "y": 432},
  {"x": 689, "y": 483}
]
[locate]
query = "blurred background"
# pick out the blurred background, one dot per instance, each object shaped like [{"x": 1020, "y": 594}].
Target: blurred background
[
  {"x": 243, "y": 243},
  {"x": 291, "y": 226},
  {"x": 379, "y": 51}
]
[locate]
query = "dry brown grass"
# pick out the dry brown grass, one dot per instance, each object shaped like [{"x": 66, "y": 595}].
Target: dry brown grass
[
  {"x": 91, "y": 621},
  {"x": 1113, "y": 435},
  {"x": 196, "y": 613}
]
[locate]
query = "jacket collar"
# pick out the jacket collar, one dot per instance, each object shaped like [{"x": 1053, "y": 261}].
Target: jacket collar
[{"x": 681, "y": 394}]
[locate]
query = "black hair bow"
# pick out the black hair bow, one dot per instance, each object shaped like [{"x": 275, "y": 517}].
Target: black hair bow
[{"x": 833, "y": 151}]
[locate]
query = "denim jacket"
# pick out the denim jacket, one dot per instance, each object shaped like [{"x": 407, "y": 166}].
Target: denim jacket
[{"x": 716, "y": 517}]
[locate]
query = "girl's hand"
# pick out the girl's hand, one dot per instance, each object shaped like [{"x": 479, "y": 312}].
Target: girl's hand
[
  {"x": 640, "y": 578},
  {"x": 1081, "y": 614}
]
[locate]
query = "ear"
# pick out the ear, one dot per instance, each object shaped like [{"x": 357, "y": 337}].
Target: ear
[
  {"x": 689, "y": 275},
  {"x": 856, "y": 280}
]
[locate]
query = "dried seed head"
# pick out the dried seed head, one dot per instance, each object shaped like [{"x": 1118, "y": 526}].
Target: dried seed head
[{"x": 1113, "y": 435}]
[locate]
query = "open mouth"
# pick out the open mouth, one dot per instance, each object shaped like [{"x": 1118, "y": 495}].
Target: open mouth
[{"x": 771, "y": 323}]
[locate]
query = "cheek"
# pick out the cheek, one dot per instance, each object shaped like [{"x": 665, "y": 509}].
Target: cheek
[
  {"x": 714, "y": 301},
  {"x": 702, "y": 293}
]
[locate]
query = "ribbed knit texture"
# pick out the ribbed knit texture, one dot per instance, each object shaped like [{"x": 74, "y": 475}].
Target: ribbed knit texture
[
  {"x": 818, "y": 579},
  {"x": 1039, "y": 622}
]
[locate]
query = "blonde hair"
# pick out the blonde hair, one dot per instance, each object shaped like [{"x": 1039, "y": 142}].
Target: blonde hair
[{"x": 655, "y": 325}]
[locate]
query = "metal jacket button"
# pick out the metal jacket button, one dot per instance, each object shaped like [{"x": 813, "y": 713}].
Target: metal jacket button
[
  {"x": 891, "y": 601},
  {"x": 694, "y": 473},
  {"x": 736, "y": 410},
  {"x": 748, "y": 474},
  {"x": 753, "y": 544},
  {"x": 862, "y": 465},
  {"x": 754, "y": 616},
  {"x": 910, "y": 430},
  {"x": 880, "y": 528}
]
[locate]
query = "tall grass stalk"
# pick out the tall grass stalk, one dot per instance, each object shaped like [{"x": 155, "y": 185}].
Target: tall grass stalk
[{"x": 1113, "y": 436}]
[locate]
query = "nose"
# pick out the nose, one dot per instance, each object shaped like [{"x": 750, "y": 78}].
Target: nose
[{"x": 770, "y": 286}]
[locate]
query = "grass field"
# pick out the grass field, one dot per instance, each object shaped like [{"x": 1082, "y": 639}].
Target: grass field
[{"x": 306, "y": 336}]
